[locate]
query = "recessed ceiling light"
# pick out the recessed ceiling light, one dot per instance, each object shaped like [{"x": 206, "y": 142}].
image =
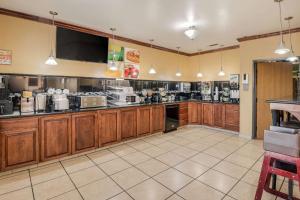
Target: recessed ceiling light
[{"x": 191, "y": 32}]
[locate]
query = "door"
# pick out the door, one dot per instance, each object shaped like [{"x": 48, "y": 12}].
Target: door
[
  {"x": 158, "y": 119},
  {"x": 207, "y": 114},
  {"x": 193, "y": 113},
  {"x": 183, "y": 114},
  {"x": 55, "y": 136},
  {"x": 128, "y": 123},
  {"x": 109, "y": 128},
  {"x": 219, "y": 115},
  {"x": 274, "y": 81},
  {"x": 84, "y": 132},
  {"x": 199, "y": 108},
  {"x": 144, "y": 120}
]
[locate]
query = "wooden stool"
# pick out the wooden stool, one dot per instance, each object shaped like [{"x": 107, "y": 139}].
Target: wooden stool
[{"x": 268, "y": 169}]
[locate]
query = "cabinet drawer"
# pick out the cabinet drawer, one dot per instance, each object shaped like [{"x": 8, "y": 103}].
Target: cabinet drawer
[{"x": 18, "y": 124}]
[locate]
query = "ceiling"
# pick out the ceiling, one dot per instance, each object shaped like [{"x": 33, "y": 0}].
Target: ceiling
[{"x": 217, "y": 21}]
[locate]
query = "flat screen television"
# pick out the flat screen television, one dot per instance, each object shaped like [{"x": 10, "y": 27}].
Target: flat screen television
[{"x": 74, "y": 45}]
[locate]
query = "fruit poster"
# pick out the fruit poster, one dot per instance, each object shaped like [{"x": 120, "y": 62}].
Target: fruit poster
[
  {"x": 131, "y": 63},
  {"x": 5, "y": 57}
]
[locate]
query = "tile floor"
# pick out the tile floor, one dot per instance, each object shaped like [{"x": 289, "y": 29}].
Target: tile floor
[{"x": 191, "y": 163}]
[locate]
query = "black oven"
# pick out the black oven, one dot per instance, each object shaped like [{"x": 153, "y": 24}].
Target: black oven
[{"x": 172, "y": 117}]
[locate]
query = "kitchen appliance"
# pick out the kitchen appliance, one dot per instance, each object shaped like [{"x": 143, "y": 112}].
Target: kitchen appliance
[
  {"x": 40, "y": 102},
  {"x": 6, "y": 107},
  {"x": 92, "y": 101},
  {"x": 206, "y": 91},
  {"x": 226, "y": 94},
  {"x": 172, "y": 117},
  {"x": 49, "y": 104},
  {"x": 27, "y": 104},
  {"x": 60, "y": 102},
  {"x": 122, "y": 96}
]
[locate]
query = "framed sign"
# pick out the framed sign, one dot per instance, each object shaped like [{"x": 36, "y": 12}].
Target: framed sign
[{"x": 5, "y": 57}]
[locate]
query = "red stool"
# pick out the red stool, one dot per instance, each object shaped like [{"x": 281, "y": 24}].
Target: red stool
[{"x": 268, "y": 169}]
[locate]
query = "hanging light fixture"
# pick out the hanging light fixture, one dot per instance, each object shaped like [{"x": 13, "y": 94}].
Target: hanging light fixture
[
  {"x": 191, "y": 32},
  {"x": 178, "y": 73},
  {"x": 281, "y": 49},
  {"x": 51, "y": 59},
  {"x": 199, "y": 74},
  {"x": 221, "y": 72},
  {"x": 152, "y": 70},
  {"x": 292, "y": 57},
  {"x": 113, "y": 66}
]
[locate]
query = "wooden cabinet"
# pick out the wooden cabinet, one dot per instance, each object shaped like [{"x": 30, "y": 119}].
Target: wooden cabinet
[
  {"x": 183, "y": 114},
  {"x": 193, "y": 113},
  {"x": 207, "y": 114},
  {"x": 19, "y": 142},
  {"x": 84, "y": 132},
  {"x": 55, "y": 136},
  {"x": 219, "y": 115},
  {"x": 158, "y": 118},
  {"x": 128, "y": 123},
  {"x": 199, "y": 109},
  {"x": 144, "y": 120},
  {"x": 232, "y": 117},
  {"x": 109, "y": 126}
]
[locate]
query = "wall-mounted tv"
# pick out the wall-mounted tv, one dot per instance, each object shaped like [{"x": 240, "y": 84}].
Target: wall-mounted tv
[{"x": 74, "y": 45}]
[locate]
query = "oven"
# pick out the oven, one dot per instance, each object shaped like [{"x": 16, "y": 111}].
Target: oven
[{"x": 172, "y": 117}]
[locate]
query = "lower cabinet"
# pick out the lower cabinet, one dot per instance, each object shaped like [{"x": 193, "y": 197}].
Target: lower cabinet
[
  {"x": 193, "y": 113},
  {"x": 84, "y": 132},
  {"x": 19, "y": 142},
  {"x": 219, "y": 115},
  {"x": 158, "y": 118},
  {"x": 183, "y": 114},
  {"x": 207, "y": 114},
  {"x": 55, "y": 136},
  {"x": 109, "y": 126},
  {"x": 128, "y": 123},
  {"x": 232, "y": 117},
  {"x": 144, "y": 120},
  {"x": 200, "y": 115}
]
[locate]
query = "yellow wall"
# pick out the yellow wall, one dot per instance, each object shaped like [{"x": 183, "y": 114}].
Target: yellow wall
[{"x": 30, "y": 44}]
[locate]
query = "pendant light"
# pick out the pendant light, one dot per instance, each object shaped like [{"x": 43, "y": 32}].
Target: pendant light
[
  {"x": 152, "y": 70},
  {"x": 178, "y": 73},
  {"x": 221, "y": 72},
  {"x": 281, "y": 49},
  {"x": 292, "y": 57},
  {"x": 199, "y": 74},
  {"x": 191, "y": 32},
  {"x": 51, "y": 59},
  {"x": 113, "y": 64}
]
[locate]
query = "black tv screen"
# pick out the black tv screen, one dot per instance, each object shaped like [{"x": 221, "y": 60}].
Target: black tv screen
[{"x": 74, "y": 45}]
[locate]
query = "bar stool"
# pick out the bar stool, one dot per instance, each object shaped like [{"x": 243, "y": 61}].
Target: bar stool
[{"x": 269, "y": 168}]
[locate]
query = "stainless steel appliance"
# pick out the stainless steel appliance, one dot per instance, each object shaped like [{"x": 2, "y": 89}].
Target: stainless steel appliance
[
  {"x": 92, "y": 101},
  {"x": 172, "y": 117},
  {"x": 6, "y": 107},
  {"x": 40, "y": 102},
  {"x": 61, "y": 102},
  {"x": 27, "y": 104},
  {"x": 122, "y": 96}
]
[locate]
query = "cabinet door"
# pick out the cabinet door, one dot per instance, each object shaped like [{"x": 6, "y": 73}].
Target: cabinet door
[
  {"x": 193, "y": 113},
  {"x": 158, "y": 118},
  {"x": 55, "y": 136},
  {"x": 84, "y": 132},
  {"x": 207, "y": 114},
  {"x": 183, "y": 114},
  {"x": 219, "y": 115},
  {"x": 19, "y": 148},
  {"x": 144, "y": 120},
  {"x": 109, "y": 128},
  {"x": 232, "y": 117},
  {"x": 128, "y": 123},
  {"x": 199, "y": 108}
]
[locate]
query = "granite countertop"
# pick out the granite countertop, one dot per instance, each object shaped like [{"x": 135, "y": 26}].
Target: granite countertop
[{"x": 17, "y": 114}]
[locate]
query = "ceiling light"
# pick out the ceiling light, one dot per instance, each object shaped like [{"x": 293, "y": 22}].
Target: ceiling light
[
  {"x": 178, "y": 73},
  {"x": 152, "y": 70},
  {"x": 191, "y": 32},
  {"x": 292, "y": 57},
  {"x": 113, "y": 64},
  {"x": 281, "y": 49},
  {"x": 199, "y": 75},
  {"x": 51, "y": 59},
  {"x": 221, "y": 72}
]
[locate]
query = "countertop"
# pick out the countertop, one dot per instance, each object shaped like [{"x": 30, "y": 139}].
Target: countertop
[{"x": 17, "y": 114}]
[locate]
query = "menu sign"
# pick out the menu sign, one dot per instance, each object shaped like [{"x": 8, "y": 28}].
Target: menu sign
[{"x": 5, "y": 57}]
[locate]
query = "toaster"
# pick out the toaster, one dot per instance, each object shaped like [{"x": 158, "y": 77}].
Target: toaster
[{"x": 27, "y": 104}]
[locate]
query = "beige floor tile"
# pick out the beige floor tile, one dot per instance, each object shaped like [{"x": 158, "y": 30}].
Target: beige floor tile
[
  {"x": 102, "y": 156},
  {"x": 199, "y": 191},
  {"x": 72, "y": 195},
  {"x": 122, "y": 196},
  {"x": 53, "y": 188},
  {"x": 185, "y": 152},
  {"x": 251, "y": 177},
  {"x": 228, "y": 198},
  {"x": 100, "y": 190},
  {"x": 205, "y": 159},
  {"x": 198, "y": 146},
  {"x": 23, "y": 194},
  {"x": 136, "y": 158},
  {"x": 76, "y": 164},
  {"x": 296, "y": 191},
  {"x": 14, "y": 182},
  {"x": 114, "y": 166},
  {"x": 175, "y": 197},
  {"x": 172, "y": 179},
  {"x": 154, "y": 151},
  {"x": 169, "y": 146},
  {"x": 140, "y": 145},
  {"x": 122, "y": 150},
  {"x": 149, "y": 190},
  {"x": 180, "y": 141},
  {"x": 87, "y": 176},
  {"x": 45, "y": 173},
  {"x": 230, "y": 169},
  {"x": 154, "y": 140},
  {"x": 257, "y": 166},
  {"x": 251, "y": 151},
  {"x": 170, "y": 158},
  {"x": 218, "y": 153},
  {"x": 217, "y": 180},
  {"x": 241, "y": 160},
  {"x": 208, "y": 141},
  {"x": 191, "y": 168},
  {"x": 129, "y": 177},
  {"x": 152, "y": 167}
]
